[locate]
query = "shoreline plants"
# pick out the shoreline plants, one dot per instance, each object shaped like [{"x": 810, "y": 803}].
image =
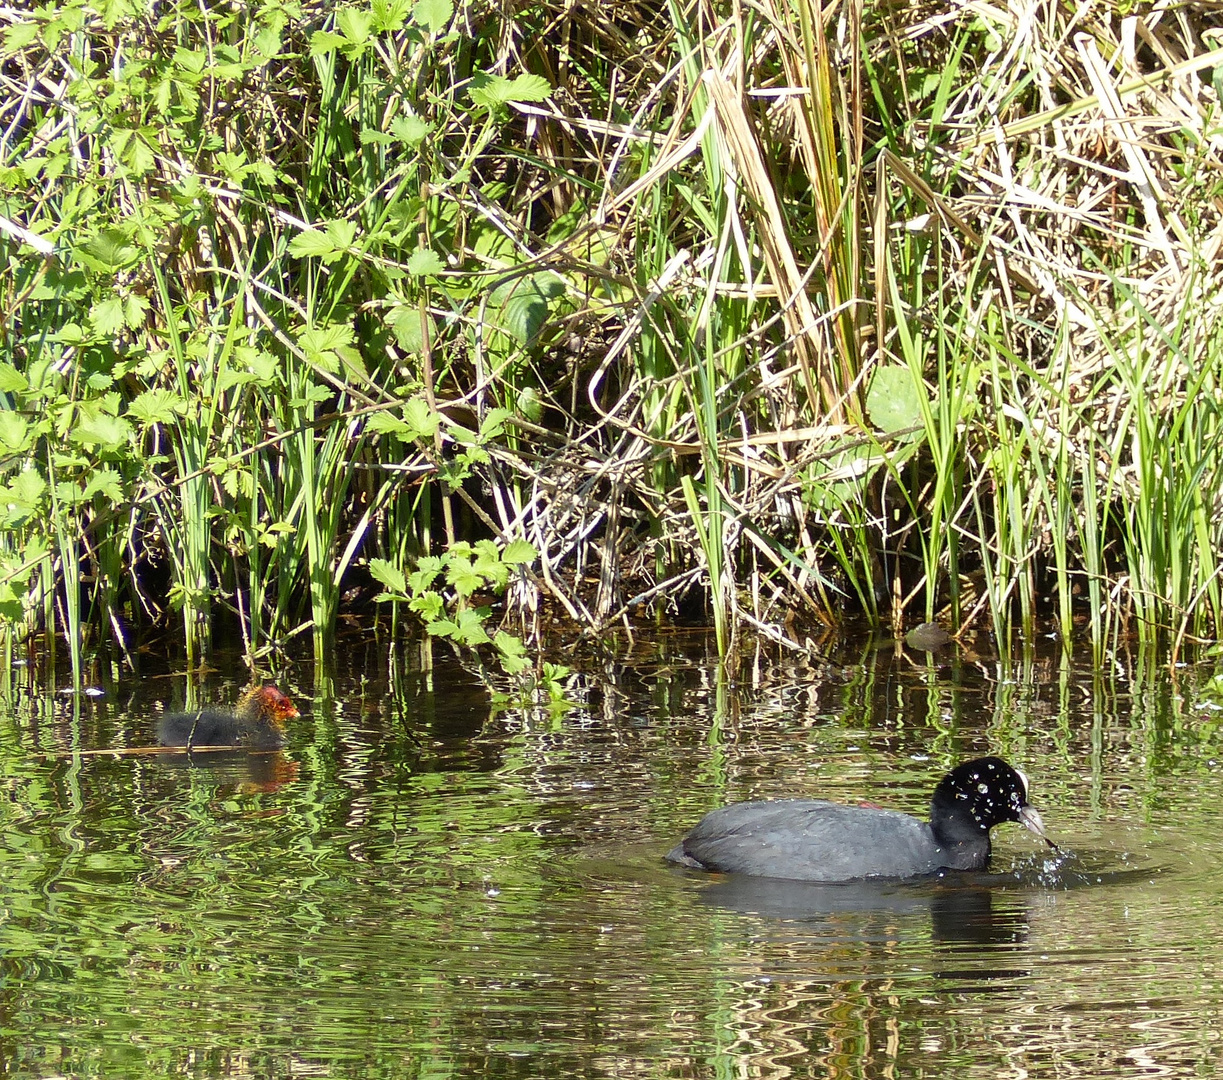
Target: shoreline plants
[{"x": 765, "y": 314}]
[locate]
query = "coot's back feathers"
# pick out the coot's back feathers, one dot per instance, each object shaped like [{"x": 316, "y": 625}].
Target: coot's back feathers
[{"x": 813, "y": 840}]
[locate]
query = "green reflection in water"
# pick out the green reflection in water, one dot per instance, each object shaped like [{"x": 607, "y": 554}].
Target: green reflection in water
[{"x": 418, "y": 889}]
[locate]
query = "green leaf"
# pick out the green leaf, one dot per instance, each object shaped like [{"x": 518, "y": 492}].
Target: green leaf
[
  {"x": 892, "y": 399},
  {"x": 14, "y": 432},
  {"x": 108, "y": 251},
  {"x": 389, "y": 15},
  {"x": 341, "y": 233},
  {"x": 155, "y": 407},
  {"x": 425, "y": 263},
  {"x": 107, "y": 316},
  {"x": 518, "y": 552},
  {"x": 328, "y": 243},
  {"x": 355, "y": 24},
  {"x": 406, "y": 326},
  {"x": 20, "y": 35},
  {"x": 28, "y": 487},
  {"x": 11, "y": 380},
  {"x": 425, "y": 573},
  {"x": 420, "y": 418},
  {"x": 332, "y": 347},
  {"x": 464, "y": 577},
  {"x": 135, "y": 308},
  {"x": 389, "y": 575},
  {"x": 432, "y": 15},
  {"x": 513, "y": 653},
  {"x": 428, "y": 605},
  {"x": 106, "y": 482},
  {"x": 411, "y": 130},
  {"x": 469, "y": 627},
  {"x": 12, "y": 606},
  {"x": 103, "y": 431},
  {"x": 521, "y": 306},
  {"x": 324, "y": 43},
  {"x": 493, "y": 91},
  {"x": 493, "y": 424}
]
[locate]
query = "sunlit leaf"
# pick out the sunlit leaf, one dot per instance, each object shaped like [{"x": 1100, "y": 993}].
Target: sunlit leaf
[
  {"x": 411, "y": 130},
  {"x": 155, "y": 407},
  {"x": 493, "y": 91},
  {"x": 519, "y": 551},
  {"x": 14, "y": 432},
  {"x": 892, "y": 399},
  {"x": 11, "y": 380},
  {"x": 432, "y": 15},
  {"x": 423, "y": 262},
  {"x": 389, "y": 575}
]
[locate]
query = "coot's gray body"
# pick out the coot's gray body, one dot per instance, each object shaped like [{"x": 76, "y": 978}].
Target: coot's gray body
[{"x": 814, "y": 840}]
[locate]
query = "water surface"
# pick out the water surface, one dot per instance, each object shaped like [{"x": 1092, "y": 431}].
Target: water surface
[{"x": 420, "y": 886}]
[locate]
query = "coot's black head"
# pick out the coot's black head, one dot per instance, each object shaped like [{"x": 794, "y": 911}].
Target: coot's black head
[{"x": 973, "y": 798}]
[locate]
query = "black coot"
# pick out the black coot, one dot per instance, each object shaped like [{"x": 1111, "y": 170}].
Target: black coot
[{"x": 813, "y": 840}]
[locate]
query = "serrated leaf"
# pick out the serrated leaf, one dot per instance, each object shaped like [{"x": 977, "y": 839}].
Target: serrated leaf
[
  {"x": 329, "y": 243},
  {"x": 493, "y": 91},
  {"x": 107, "y": 316},
  {"x": 331, "y": 347},
  {"x": 20, "y": 35},
  {"x": 493, "y": 423},
  {"x": 324, "y": 42},
  {"x": 135, "y": 308},
  {"x": 309, "y": 242},
  {"x": 424, "y": 262},
  {"x": 387, "y": 423},
  {"x": 103, "y": 431},
  {"x": 355, "y": 24},
  {"x": 518, "y": 552},
  {"x": 469, "y": 627},
  {"x": 390, "y": 575},
  {"x": 428, "y": 605},
  {"x": 105, "y": 482},
  {"x": 341, "y": 233},
  {"x": 108, "y": 250},
  {"x": 432, "y": 15},
  {"x": 442, "y": 628},
  {"x": 155, "y": 407},
  {"x": 14, "y": 432},
  {"x": 423, "y": 420},
  {"x": 508, "y": 644},
  {"x": 11, "y": 380},
  {"x": 410, "y": 130},
  {"x": 425, "y": 574},
  {"x": 28, "y": 488},
  {"x": 389, "y": 15},
  {"x": 464, "y": 578}
]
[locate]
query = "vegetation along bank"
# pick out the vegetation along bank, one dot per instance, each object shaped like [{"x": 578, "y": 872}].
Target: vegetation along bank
[{"x": 765, "y": 314}]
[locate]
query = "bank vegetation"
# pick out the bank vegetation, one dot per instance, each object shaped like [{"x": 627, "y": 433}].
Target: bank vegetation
[{"x": 747, "y": 311}]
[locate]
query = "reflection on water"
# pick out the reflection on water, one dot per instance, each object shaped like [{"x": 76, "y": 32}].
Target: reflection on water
[{"x": 418, "y": 886}]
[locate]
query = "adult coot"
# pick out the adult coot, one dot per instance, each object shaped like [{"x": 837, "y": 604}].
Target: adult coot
[
  {"x": 813, "y": 840},
  {"x": 257, "y": 723}
]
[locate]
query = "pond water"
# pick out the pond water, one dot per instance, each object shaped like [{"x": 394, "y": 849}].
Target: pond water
[{"x": 420, "y": 886}]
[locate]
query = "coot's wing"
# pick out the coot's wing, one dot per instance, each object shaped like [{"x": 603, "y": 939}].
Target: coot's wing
[{"x": 810, "y": 840}]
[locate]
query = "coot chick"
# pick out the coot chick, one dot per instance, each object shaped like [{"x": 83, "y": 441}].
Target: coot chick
[
  {"x": 256, "y": 723},
  {"x": 813, "y": 840}
]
